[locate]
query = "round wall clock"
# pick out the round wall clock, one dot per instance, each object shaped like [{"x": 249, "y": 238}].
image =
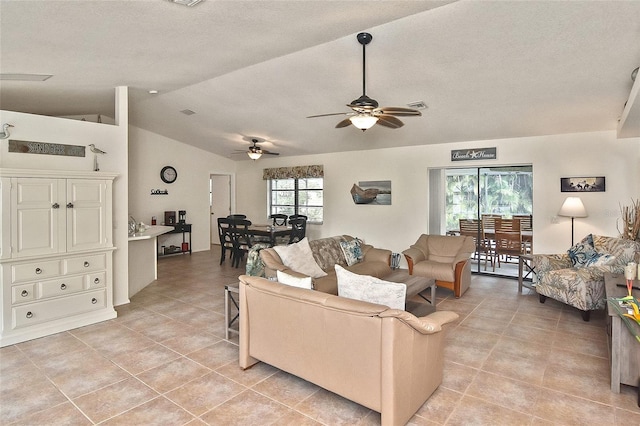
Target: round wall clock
[{"x": 168, "y": 174}]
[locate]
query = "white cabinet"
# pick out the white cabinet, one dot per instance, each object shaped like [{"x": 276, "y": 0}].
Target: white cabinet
[{"x": 56, "y": 254}]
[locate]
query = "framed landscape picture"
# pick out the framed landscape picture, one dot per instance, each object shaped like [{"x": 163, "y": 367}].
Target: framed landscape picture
[{"x": 582, "y": 184}]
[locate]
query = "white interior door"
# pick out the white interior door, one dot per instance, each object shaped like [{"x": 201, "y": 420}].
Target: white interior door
[{"x": 220, "y": 202}]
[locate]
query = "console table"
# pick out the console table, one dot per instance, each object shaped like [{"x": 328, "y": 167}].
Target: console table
[
  {"x": 178, "y": 228},
  {"x": 624, "y": 349}
]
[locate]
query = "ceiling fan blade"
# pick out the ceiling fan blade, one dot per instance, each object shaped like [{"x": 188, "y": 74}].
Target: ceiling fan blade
[
  {"x": 389, "y": 121},
  {"x": 398, "y": 111},
  {"x": 327, "y": 115},
  {"x": 344, "y": 123},
  {"x": 270, "y": 153}
]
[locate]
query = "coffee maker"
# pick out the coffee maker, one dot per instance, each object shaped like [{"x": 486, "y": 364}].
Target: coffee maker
[{"x": 182, "y": 214}]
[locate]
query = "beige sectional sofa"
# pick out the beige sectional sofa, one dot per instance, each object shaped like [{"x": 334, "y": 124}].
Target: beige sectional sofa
[
  {"x": 327, "y": 253},
  {"x": 385, "y": 359}
]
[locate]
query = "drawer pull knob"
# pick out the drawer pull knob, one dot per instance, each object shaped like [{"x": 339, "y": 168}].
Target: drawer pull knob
[
  {"x": 70, "y": 205},
  {"x": 29, "y": 314},
  {"x": 63, "y": 286},
  {"x": 38, "y": 271},
  {"x": 24, "y": 293},
  {"x": 94, "y": 300},
  {"x": 55, "y": 206},
  {"x": 96, "y": 281},
  {"x": 86, "y": 264}
]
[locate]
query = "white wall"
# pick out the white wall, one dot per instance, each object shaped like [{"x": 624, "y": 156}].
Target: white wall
[
  {"x": 397, "y": 226},
  {"x": 148, "y": 154}
]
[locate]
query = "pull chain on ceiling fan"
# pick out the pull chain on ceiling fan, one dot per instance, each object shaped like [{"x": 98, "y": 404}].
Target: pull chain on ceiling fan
[{"x": 365, "y": 110}]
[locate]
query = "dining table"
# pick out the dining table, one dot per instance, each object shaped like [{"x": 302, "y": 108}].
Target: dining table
[{"x": 270, "y": 231}]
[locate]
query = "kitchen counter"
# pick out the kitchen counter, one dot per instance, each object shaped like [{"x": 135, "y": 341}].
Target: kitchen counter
[{"x": 143, "y": 261}]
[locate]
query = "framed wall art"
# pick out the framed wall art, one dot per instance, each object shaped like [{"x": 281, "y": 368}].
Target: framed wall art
[
  {"x": 582, "y": 184},
  {"x": 372, "y": 192}
]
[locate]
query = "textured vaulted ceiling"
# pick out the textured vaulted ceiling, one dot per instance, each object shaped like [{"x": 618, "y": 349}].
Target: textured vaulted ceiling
[{"x": 257, "y": 68}]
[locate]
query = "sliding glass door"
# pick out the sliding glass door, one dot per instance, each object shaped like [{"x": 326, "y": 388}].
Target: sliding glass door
[{"x": 475, "y": 197}]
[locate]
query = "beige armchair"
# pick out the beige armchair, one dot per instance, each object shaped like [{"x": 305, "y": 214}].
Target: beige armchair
[{"x": 443, "y": 258}]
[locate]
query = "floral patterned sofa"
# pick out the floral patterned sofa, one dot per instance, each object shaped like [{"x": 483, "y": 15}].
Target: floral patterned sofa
[{"x": 577, "y": 277}]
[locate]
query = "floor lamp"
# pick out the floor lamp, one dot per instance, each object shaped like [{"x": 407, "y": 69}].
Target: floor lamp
[{"x": 572, "y": 207}]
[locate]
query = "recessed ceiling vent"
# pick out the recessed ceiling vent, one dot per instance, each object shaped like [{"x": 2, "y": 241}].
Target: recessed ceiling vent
[
  {"x": 186, "y": 2},
  {"x": 187, "y": 112},
  {"x": 417, "y": 105}
]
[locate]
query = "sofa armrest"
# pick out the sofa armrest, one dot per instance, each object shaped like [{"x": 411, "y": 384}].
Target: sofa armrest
[
  {"x": 549, "y": 262},
  {"x": 429, "y": 324},
  {"x": 372, "y": 254},
  {"x": 413, "y": 256}
]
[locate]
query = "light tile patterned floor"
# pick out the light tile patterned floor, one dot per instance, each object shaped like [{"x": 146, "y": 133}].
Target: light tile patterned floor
[{"x": 164, "y": 361}]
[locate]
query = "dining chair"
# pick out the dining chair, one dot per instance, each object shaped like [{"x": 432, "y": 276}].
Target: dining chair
[
  {"x": 526, "y": 221},
  {"x": 296, "y": 216},
  {"x": 507, "y": 244},
  {"x": 239, "y": 231},
  {"x": 507, "y": 224},
  {"x": 278, "y": 219},
  {"x": 471, "y": 228},
  {"x": 526, "y": 225},
  {"x": 298, "y": 229},
  {"x": 237, "y": 216},
  {"x": 226, "y": 243}
]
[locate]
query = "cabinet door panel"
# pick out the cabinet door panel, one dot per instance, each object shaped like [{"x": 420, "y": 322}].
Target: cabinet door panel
[
  {"x": 39, "y": 212},
  {"x": 86, "y": 214}
]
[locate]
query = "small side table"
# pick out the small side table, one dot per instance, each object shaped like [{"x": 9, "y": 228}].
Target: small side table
[
  {"x": 526, "y": 269},
  {"x": 229, "y": 291}
]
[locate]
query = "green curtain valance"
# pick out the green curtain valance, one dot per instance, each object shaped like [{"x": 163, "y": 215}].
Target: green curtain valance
[{"x": 296, "y": 172}]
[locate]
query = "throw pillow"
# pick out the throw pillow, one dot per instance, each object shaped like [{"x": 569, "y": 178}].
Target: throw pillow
[
  {"x": 581, "y": 254},
  {"x": 370, "y": 289},
  {"x": 352, "y": 251},
  {"x": 287, "y": 279},
  {"x": 299, "y": 257}
]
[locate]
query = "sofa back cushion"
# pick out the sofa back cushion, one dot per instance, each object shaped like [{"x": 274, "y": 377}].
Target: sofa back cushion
[{"x": 624, "y": 250}]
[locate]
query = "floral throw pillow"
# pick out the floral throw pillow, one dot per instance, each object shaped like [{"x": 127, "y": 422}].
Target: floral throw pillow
[
  {"x": 582, "y": 254},
  {"x": 352, "y": 251}
]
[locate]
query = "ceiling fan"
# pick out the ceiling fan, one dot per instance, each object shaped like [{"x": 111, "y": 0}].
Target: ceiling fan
[
  {"x": 366, "y": 112},
  {"x": 255, "y": 151}
]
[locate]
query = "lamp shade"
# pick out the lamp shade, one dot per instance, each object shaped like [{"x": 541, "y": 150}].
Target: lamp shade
[
  {"x": 363, "y": 121},
  {"x": 573, "y": 207}
]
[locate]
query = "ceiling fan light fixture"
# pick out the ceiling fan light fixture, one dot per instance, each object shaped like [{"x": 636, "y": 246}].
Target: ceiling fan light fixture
[
  {"x": 363, "y": 121},
  {"x": 254, "y": 155}
]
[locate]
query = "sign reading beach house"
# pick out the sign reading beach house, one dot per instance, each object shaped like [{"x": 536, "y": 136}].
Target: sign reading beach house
[
  {"x": 29, "y": 147},
  {"x": 473, "y": 154}
]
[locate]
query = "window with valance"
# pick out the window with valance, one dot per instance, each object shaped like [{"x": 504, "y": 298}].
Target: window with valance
[{"x": 296, "y": 190}]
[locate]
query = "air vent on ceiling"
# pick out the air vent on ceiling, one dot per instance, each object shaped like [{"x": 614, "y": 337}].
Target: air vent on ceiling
[
  {"x": 417, "y": 105},
  {"x": 187, "y": 112},
  {"x": 25, "y": 77},
  {"x": 186, "y": 2}
]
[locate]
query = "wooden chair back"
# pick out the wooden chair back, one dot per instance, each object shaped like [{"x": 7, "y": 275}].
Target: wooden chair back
[
  {"x": 507, "y": 224},
  {"x": 526, "y": 221}
]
